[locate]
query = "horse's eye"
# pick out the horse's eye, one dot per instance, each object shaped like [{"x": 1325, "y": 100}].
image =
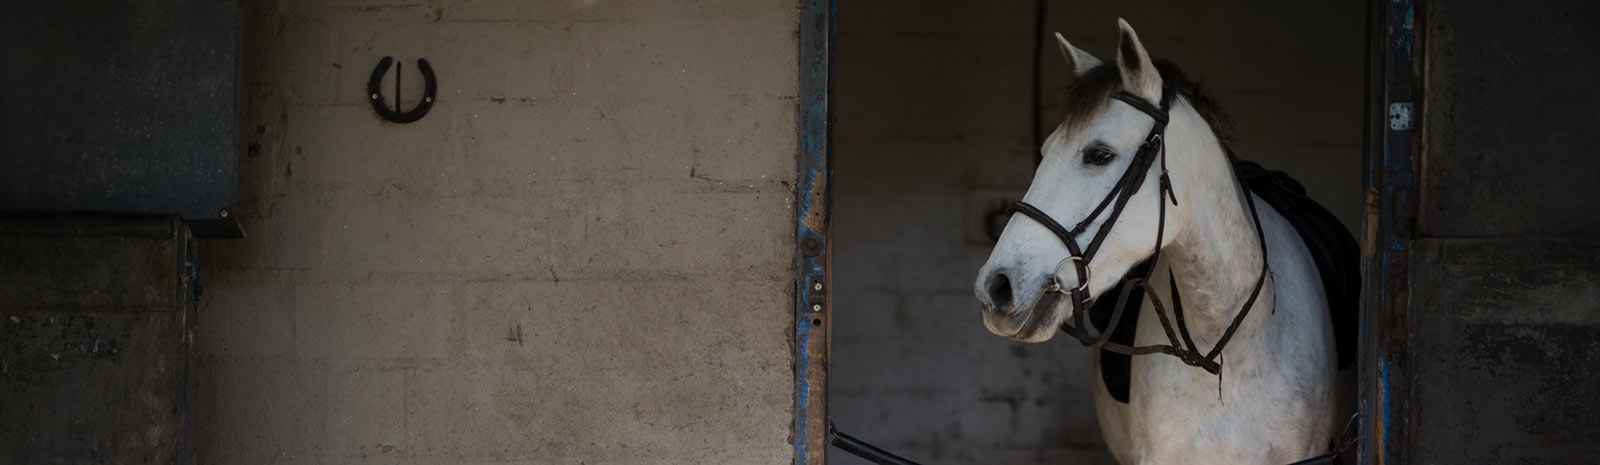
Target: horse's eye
[{"x": 1098, "y": 155}]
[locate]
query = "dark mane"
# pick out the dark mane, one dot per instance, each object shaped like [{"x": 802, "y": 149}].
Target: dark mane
[{"x": 1090, "y": 92}]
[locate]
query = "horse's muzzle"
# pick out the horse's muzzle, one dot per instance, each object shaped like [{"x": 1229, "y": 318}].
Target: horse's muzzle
[{"x": 1020, "y": 313}]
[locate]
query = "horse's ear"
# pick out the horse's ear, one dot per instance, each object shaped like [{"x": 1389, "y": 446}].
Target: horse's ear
[
  {"x": 1139, "y": 74},
  {"x": 1077, "y": 59}
]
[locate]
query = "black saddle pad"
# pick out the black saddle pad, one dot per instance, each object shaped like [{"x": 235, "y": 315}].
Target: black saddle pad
[{"x": 1333, "y": 249}]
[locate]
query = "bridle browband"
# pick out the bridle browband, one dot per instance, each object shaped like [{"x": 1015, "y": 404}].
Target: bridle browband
[{"x": 1117, "y": 199}]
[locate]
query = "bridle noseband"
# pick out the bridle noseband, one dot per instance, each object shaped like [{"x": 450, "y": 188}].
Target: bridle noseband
[{"x": 1153, "y": 147}]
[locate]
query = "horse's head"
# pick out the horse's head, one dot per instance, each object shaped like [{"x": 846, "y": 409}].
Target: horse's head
[{"x": 1085, "y": 160}]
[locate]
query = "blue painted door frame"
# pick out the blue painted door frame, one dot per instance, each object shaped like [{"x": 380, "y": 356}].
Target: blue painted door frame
[
  {"x": 1388, "y": 225},
  {"x": 814, "y": 202}
]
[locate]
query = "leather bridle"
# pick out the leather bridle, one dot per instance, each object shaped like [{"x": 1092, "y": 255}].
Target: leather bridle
[{"x": 1132, "y": 179}]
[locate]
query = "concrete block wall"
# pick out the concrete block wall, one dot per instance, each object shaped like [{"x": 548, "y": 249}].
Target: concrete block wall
[
  {"x": 583, "y": 254},
  {"x": 933, "y": 129}
]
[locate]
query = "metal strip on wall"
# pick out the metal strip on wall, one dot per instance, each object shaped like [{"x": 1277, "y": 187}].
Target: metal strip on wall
[
  {"x": 1389, "y": 225},
  {"x": 814, "y": 202}
]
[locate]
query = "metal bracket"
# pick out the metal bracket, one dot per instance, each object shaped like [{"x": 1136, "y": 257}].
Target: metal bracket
[
  {"x": 1400, "y": 116},
  {"x": 239, "y": 210},
  {"x": 819, "y": 299}
]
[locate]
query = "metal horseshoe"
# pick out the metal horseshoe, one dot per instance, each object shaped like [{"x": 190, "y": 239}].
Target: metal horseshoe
[{"x": 394, "y": 114}]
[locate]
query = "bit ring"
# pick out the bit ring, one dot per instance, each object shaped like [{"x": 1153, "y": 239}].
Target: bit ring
[{"x": 1055, "y": 276}]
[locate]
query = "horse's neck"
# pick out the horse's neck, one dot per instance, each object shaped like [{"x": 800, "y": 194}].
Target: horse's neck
[{"x": 1216, "y": 256}]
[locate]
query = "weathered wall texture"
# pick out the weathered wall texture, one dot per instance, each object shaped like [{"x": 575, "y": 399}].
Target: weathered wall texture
[
  {"x": 933, "y": 130},
  {"x": 582, "y": 255}
]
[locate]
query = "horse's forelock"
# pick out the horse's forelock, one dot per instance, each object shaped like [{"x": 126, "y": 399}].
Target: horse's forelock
[{"x": 1088, "y": 95}]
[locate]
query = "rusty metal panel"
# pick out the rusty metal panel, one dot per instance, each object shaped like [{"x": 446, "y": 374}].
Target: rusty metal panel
[
  {"x": 96, "y": 346},
  {"x": 1494, "y": 359},
  {"x": 1510, "y": 110},
  {"x": 1505, "y": 364}
]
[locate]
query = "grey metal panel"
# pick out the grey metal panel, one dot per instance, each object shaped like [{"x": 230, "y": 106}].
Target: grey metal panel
[
  {"x": 1510, "y": 139},
  {"x": 119, "y": 106},
  {"x": 1505, "y": 364},
  {"x": 96, "y": 352}
]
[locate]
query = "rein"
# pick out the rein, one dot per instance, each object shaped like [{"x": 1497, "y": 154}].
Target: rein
[{"x": 1132, "y": 179}]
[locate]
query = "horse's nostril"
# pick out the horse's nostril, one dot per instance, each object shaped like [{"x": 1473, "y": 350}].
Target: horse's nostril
[{"x": 1000, "y": 292}]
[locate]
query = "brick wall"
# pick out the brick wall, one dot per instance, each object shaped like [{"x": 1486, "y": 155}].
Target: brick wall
[
  {"x": 934, "y": 129},
  {"x": 583, "y": 254}
]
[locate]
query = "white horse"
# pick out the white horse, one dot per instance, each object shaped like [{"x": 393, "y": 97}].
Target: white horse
[{"x": 1273, "y": 398}]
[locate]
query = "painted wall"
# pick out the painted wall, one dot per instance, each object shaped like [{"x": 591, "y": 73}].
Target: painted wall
[
  {"x": 583, "y": 254},
  {"x": 934, "y": 131}
]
